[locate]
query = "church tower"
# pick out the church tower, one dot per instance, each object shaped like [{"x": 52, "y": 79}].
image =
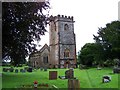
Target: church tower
[{"x": 62, "y": 41}]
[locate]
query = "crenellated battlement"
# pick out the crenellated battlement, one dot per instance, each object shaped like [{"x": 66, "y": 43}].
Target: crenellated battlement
[{"x": 61, "y": 17}]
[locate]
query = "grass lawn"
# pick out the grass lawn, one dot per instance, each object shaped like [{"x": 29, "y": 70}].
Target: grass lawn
[
  {"x": 89, "y": 78},
  {"x": 0, "y": 77}
]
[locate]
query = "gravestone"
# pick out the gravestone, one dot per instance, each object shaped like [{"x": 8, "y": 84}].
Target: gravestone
[
  {"x": 16, "y": 70},
  {"x": 73, "y": 84},
  {"x": 21, "y": 70},
  {"x": 116, "y": 70},
  {"x": 69, "y": 74},
  {"x": 45, "y": 68},
  {"x": 29, "y": 69},
  {"x": 41, "y": 68},
  {"x": 99, "y": 68},
  {"x": 52, "y": 75},
  {"x": 5, "y": 69},
  {"x": 106, "y": 78}
]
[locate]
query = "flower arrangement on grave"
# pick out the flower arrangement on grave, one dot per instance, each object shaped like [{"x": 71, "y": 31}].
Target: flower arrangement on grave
[{"x": 35, "y": 84}]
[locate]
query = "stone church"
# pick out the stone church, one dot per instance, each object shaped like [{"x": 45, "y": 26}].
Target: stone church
[{"x": 61, "y": 53}]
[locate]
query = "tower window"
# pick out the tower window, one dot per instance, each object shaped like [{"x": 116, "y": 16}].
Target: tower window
[
  {"x": 66, "y": 27},
  {"x": 67, "y": 53}
]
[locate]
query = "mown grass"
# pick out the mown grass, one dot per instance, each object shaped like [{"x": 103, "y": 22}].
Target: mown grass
[{"x": 89, "y": 78}]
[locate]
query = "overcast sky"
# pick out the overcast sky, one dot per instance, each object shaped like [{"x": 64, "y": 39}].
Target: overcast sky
[{"x": 88, "y": 16}]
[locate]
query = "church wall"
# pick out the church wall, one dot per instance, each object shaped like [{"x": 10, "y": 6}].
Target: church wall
[{"x": 45, "y": 53}]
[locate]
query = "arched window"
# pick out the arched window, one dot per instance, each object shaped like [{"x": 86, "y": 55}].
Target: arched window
[
  {"x": 66, "y": 27},
  {"x": 67, "y": 53}
]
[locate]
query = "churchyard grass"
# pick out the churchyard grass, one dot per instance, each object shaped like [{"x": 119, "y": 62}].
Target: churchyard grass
[{"x": 89, "y": 78}]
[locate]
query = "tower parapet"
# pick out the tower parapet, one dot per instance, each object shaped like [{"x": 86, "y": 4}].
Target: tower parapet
[{"x": 62, "y": 18}]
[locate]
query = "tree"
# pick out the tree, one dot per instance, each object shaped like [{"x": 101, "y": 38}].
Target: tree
[
  {"x": 23, "y": 23},
  {"x": 91, "y": 54},
  {"x": 109, "y": 38}
]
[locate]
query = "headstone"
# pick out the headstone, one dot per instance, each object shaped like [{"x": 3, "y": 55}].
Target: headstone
[
  {"x": 41, "y": 68},
  {"x": 116, "y": 70},
  {"x": 5, "y": 69},
  {"x": 52, "y": 75},
  {"x": 69, "y": 74},
  {"x": 16, "y": 70},
  {"x": 29, "y": 69},
  {"x": 99, "y": 68},
  {"x": 21, "y": 70},
  {"x": 106, "y": 78},
  {"x": 45, "y": 68},
  {"x": 73, "y": 84}
]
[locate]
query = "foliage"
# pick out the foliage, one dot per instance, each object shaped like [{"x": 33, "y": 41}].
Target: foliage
[
  {"x": 106, "y": 47},
  {"x": 22, "y": 24},
  {"x": 90, "y": 53},
  {"x": 109, "y": 38}
]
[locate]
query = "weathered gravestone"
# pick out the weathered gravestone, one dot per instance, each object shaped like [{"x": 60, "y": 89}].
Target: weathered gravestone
[
  {"x": 5, "y": 69},
  {"x": 116, "y": 70},
  {"x": 45, "y": 68},
  {"x": 21, "y": 70},
  {"x": 69, "y": 74},
  {"x": 16, "y": 70},
  {"x": 73, "y": 84},
  {"x": 52, "y": 75}
]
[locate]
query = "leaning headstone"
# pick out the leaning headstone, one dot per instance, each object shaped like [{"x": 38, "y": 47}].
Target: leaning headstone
[
  {"x": 52, "y": 75},
  {"x": 16, "y": 70}
]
